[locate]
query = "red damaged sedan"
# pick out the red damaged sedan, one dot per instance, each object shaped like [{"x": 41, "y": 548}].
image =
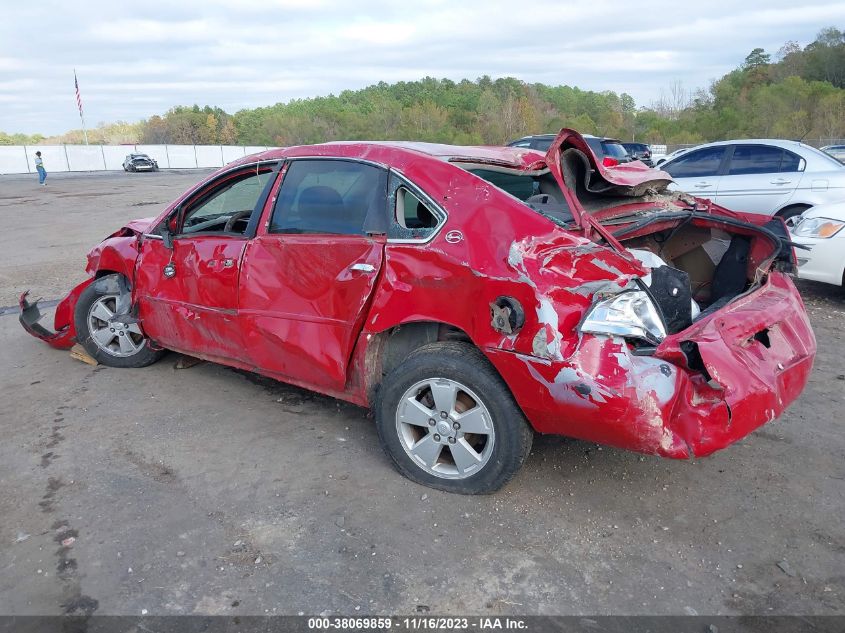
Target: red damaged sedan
[{"x": 470, "y": 295}]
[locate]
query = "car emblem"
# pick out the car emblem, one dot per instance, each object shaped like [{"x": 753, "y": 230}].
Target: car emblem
[{"x": 453, "y": 237}]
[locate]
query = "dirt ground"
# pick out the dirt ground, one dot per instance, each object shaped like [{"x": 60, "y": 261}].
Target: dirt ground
[{"x": 206, "y": 490}]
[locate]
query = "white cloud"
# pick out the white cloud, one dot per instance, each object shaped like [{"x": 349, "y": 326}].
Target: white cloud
[{"x": 139, "y": 59}]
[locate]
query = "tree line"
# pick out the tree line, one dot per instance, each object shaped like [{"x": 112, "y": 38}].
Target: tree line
[{"x": 797, "y": 92}]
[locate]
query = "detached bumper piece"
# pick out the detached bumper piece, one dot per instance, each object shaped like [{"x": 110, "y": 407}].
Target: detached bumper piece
[
  {"x": 29, "y": 319},
  {"x": 63, "y": 334}
]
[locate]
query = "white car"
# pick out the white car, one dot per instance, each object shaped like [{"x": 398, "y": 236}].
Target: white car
[
  {"x": 764, "y": 176},
  {"x": 660, "y": 160},
  {"x": 820, "y": 229},
  {"x": 837, "y": 151}
]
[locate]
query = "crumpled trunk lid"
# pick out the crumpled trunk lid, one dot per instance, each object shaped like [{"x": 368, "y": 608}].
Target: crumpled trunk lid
[{"x": 575, "y": 167}]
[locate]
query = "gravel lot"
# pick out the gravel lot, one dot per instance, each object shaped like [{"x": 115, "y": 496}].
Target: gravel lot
[{"x": 206, "y": 490}]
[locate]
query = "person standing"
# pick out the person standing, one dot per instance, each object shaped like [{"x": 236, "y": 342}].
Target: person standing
[{"x": 39, "y": 165}]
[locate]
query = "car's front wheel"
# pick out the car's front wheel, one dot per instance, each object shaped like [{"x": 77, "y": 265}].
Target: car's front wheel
[
  {"x": 106, "y": 331},
  {"x": 448, "y": 421}
]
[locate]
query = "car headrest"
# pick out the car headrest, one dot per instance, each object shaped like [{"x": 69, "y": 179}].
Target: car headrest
[{"x": 320, "y": 202}]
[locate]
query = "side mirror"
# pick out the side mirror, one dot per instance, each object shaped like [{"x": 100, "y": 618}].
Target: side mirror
[{"x": 167, "y": 238}]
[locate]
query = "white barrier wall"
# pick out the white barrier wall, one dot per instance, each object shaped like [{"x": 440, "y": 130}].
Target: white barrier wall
[
  {"x": 114, "y": 155},
  {"x": 232, "y": 152},
  {"x": 54, "y": 157},
  {"x": 85, "y": 158},
  {"x": 20, "y": 159},
  {"x": 208, "y": 155},
  {"x": 13, "y": 160}
]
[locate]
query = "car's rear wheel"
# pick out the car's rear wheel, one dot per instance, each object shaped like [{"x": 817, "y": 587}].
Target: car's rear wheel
[
  {"x": 448, "y": 420},
  {"x": 112, "y": 338}
]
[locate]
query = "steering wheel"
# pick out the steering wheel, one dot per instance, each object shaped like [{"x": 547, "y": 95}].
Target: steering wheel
[{"x": 238, "y": 215}]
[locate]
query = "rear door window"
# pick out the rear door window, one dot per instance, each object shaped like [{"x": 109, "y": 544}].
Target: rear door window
[
  {"x": 698, "y": 164},
  {"x": 414, "y": 217},
  {"x": 791, "y": 162},
  {"x": 755, "y": 159},
  {"x": 331, "y": 196}
]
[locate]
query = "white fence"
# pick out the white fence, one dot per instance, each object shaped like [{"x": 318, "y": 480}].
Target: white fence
[{"x": 20, "y": 159}]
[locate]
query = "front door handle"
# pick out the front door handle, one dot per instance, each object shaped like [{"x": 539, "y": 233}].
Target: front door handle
[
  {"x": 364, "y": 268},
  {"x": 703, "y": 185}
]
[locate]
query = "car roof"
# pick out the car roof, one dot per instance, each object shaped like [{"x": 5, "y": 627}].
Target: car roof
[
  {"x": 776, "y": 142},
  {"x": 521, "y": 158},
  {"x": 552, "y": 136}
]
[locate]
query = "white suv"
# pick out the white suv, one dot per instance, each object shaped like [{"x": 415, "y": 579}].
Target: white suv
[{"x": 765, "y": 176}]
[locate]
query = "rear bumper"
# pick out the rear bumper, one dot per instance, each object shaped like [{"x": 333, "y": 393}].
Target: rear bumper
[{"x": 660, "y": 404}]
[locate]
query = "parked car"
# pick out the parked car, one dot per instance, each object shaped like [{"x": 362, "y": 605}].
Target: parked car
[
  {"x": 658, "y": 161},
  {"x": 837, "y": 151},
  {"x": 765, "y": 176},
  {"x": 819, "y": 231},
  {"x": 139, "y": 162},
  {"x": 610, "y": 150},
  {"x": 640, "y": 152},
  {"x": 470, "y": 295}
]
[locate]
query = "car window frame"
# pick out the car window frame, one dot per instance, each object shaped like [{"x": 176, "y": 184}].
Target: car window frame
[
  {"x": 802, "y": 163},
  {"x": 720, "y": 170},
  {"x": 197, "y": 194},
  {"x": 289, "y": 161},
  {"x": 397, "y": 178}
]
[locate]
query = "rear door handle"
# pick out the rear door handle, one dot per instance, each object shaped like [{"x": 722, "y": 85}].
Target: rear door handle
[
  {"x": 780, "y": 181},
  {"x": 703, "y": 185},
  {"x": 364, "y": 268}
]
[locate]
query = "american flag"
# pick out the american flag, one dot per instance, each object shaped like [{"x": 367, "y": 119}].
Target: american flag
[{"x": 78, "y": 96}]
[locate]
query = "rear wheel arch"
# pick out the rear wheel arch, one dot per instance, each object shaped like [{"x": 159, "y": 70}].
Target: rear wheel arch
[
  {"x": 388, "y": 348},
  {"x": 403, "y": 339},
  {"x": 792, "y": 210}
]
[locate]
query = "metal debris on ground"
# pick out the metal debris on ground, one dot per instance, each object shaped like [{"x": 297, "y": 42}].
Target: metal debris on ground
[{"x": 786, "y": 568}]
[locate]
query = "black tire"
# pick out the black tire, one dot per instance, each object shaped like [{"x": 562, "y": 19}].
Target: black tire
[
  {"x": 107, "y": 286},
  {"x": 790, "y": 212},
  {"x": 464, "y": 364}
]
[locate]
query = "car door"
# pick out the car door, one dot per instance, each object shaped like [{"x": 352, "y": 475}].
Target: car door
[
  {"x": 759, "y": 179},
  {"x": 697, "y": 171},
  {"x": 308, "y": 277},
  {"x": 186, "y": 284}
]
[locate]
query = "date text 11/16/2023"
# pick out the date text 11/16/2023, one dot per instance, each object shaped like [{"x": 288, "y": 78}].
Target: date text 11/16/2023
[{"x": 415, "y": 623}]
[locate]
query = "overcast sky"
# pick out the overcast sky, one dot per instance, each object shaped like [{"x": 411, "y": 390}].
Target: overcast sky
[{"x": 135, "y": 59}]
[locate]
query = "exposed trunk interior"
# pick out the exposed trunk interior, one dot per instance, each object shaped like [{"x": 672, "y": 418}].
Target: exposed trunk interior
[
  {"x": 699, "y": 261},
  {"x": 707, "y": 259}
]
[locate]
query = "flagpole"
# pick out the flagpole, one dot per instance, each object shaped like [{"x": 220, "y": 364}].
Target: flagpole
[{"x": 79, "y": 104}]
